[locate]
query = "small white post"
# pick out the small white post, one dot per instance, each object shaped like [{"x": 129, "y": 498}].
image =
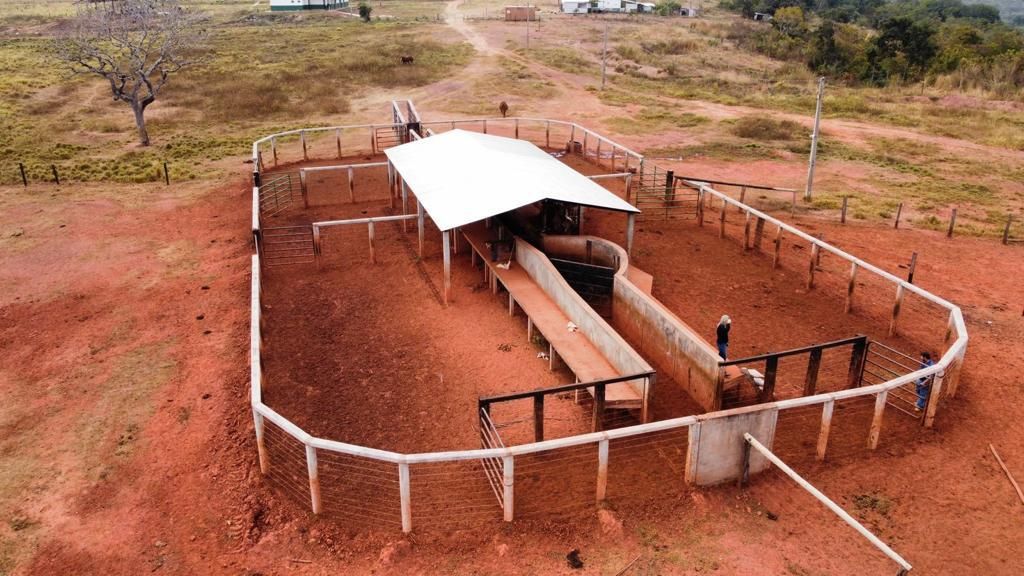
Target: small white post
[
  {"x": 314, "y": 478},
  {"x": 405, "y": 497},
  {"x": 508, "y": 498}
]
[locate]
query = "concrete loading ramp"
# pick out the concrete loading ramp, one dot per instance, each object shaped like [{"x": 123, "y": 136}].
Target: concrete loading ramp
[{"x": 594, "y": 351}]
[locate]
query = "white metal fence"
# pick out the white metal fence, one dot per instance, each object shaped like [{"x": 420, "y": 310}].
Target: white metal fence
[{"x": 381, "y": 488}]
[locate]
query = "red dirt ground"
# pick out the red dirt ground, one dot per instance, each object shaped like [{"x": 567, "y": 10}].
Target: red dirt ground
[{"x": 132, "y": 440}]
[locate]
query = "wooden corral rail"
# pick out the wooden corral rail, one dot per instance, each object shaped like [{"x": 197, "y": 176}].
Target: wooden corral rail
[
  {"x": 544, "y": 315},
  {"x": 858, "y": 346},
  {"x": 599, "y": 388}
]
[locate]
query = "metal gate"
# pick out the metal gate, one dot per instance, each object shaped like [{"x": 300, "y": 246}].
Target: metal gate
[
  {"x": 287, "y": 245},
  {"x": 276, "y": 193},
  {"x": 661, "y": 196},
  {"x": 883, "y": 363},
  {"x": 388, "y": 137}
]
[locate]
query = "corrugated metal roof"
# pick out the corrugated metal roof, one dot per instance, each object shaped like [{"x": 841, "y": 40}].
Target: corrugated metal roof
[{"x": 462, "y": 177}]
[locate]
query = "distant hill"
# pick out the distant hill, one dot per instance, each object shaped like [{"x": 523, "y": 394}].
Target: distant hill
[{"x": 1012, "y": 11}]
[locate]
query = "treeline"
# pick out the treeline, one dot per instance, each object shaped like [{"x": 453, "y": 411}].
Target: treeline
[{"x": 879, "y": 43}]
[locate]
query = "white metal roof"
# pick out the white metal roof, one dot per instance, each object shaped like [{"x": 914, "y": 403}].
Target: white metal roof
[{"x": 462, "y": 177}]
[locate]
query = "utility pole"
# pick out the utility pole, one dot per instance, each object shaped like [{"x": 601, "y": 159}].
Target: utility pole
[
  {"x": 814, "y": 138},
  {"x": 604, "y": 55},
  {"x": 527, "y": 26}
]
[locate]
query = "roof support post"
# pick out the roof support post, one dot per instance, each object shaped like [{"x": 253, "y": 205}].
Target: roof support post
[
  {"x": 446, "y": 248},
  {"x": 419, "y": 226},
  {"x": 630, "y": 226},
  {"x": 405, "y": 201}
]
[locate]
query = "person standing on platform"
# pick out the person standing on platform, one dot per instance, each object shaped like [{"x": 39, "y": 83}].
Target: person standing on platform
[{"x": 722, "y": 338}]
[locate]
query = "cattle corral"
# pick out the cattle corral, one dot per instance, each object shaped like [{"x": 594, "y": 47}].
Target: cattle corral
[{"x": 357, "y": 362}]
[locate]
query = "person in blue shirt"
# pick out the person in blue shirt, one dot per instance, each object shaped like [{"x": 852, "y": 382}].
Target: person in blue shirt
[
  {"x": 722, "y": 338},
  {"x": 924, "y": 384}
]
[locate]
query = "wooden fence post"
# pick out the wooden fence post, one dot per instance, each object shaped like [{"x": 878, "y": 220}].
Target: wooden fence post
[
  {"x": 851, "y": 284},
  {"x": 896, "y": 310},
  {"x": 167, "y": 174},
  {"x": 373, "y": 251},
  {"x": 721, "y": 221},
  {"x": 876, "y": 420},
  {"x": 1006, "y": 230},
  {"x": 746, "y": 231},
  {"x": 700, "y": 204},
  {"x": 599, "y": 395},
  {"x": 24, "y": 179},
  {"x": 547, "y": 134},
  {"x": 538, "y": 416},
  {"x": 842, "y": 214},
  {"x": 952, "y": 223},
  {"x": 273, "y": 148},
  {"x": 826, "y": 427},
  {"x": 814, "y": 264},
  {"x": 302, "y": 187},
  {"x": 743, "y": 195},
  {"x": 56, "y": 177},
  {"x": 302, "y": 137},
  {"x": 778, "y": 247},
  {"x": 811, "y": 379},
  {"x": 899, "y": 212},
  {"x": 913, "y": 266},
  {"x": 771, "y": 369},
  {"x": 508, "y": 493},
  {"x": 933, "y": 398},
  {"x": 758, "y": 233},
  {"x": 857, "y": 357},
  {"x": 337, "y": 140},
  {"x": 261, "y": 447},
  {"x": 314, "y": 478},
  {"x": 602, "y": 469},
  {"x": 351, "y": 184},
  {"x": 405, "y": 497}
]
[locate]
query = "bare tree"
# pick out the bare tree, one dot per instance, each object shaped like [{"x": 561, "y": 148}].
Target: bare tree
[{"x": 136, "y": 45}]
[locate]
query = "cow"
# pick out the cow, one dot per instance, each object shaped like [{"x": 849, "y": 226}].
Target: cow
[
  {"x": 408, "y": 59},
  {"x": 503, "y": 107}
]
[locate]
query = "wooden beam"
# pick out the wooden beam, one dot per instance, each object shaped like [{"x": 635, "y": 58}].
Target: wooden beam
[
  {"x": 771, "y": 369},
  {"x": 538, "y": 418},
  {"x": 811, "y": 378},
  {"x": 857, "y": 356},
  {"x": 599, "y": 394}
]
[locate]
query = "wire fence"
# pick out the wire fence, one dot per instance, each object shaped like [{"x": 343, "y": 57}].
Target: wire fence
[{"x": 633, "y": 463}]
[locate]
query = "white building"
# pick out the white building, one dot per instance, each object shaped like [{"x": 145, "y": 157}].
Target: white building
[
  {"x": 284, "y": 5},
  {"x": 598, "y": 6}
]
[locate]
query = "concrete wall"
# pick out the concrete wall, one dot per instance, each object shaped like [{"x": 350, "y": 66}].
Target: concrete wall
[
  {"x": 616, "y": 350},
  {"x": 672, "y": 346},
  {"x": 715, "y": 453}
]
